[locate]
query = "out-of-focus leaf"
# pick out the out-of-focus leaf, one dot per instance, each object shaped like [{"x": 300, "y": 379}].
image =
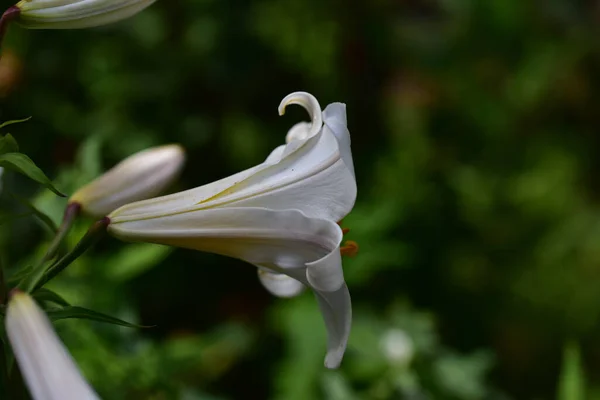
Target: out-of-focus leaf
[
  {"x": 134, "y": 260},
  {"x": 84, "y": 313},
  {"x": 19, "y": 162},
  {"x": 6, "y": 218},
  {"x": 8, "y": 144},
  {"x": 336, "y": 387},
  {"x": 19, "y": 275},
  {"x": 44, "y": 294},
  {"x": 572, "y": 378},
  {"x": 14, "y": 121},
  {"x": 35, "y": 211}
]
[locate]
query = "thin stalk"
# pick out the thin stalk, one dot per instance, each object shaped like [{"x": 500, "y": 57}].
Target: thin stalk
[
  {"x": 71, "y": 213},
  {"x": 92, "y": 236}
]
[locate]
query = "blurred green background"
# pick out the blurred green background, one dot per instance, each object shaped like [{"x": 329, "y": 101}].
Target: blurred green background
[{"x": 475, "y": 141}]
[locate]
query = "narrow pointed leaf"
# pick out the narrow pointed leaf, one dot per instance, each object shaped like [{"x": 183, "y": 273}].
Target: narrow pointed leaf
[
  {"x": 19, "y": 162},
  {"x": 8, "y": 144},
  {"x": 44, "y": 294},
  {"x": 46, "y": 220},
  {"x": 19, "y": 275},
  {"x": 14, "y": 121},
  {"x": 84, "y": 313}
]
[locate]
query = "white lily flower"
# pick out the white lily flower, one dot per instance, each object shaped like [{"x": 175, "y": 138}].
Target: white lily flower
[
  {"x": 47, "y": 367},
  {"x": 280, "y": 215},
  {"x": 140, "y": 176},
  {"x": 75, "y": 14}
]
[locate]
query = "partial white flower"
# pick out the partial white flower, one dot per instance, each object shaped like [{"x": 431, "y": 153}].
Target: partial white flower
[
  {"x": 140, "y": 176},
  {"x": 280, "y": 215},
  {"x": 74, "y": 14},
  {"x": 49, "y": 371}
]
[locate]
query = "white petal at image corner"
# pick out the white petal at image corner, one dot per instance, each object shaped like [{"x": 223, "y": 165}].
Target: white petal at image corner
[
  {"x": 280, "y": 215},
  {"x": 47, "y": 367}
]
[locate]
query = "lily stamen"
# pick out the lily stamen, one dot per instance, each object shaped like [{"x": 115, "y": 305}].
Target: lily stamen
[{"x": 350, "y": 248}]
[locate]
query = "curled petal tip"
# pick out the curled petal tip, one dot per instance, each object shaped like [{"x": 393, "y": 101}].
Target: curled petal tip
[{"x": 310, "y": 104}]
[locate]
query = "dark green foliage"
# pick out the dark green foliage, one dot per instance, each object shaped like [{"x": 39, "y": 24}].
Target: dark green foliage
[{"x": 475, "y": 136}]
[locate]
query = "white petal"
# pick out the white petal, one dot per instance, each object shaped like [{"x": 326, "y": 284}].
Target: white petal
[
  {"x": 300, "y": 131},
  {"x": 308, "y": 174},
  {"x": 288, "y": 242},
  {"x": 49, "y": 371},
  {"x": 336, "y": 308},
  {"x": 334, "y": 117},
  {"x": 280, "y": 285},
  {"x": 281, "y": 239}
]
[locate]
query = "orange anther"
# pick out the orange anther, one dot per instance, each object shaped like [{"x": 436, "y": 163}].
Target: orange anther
[{"x": 350, "y": 248}]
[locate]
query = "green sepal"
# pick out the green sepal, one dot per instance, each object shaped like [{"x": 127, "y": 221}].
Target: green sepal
[
  {"x": 47, "y": 295},
  {"x": 84, "y": 313},
  {"x": 8, "y": 144},
  {"x": 14, "y": 121},
  {"x": 22, "y": 164}
]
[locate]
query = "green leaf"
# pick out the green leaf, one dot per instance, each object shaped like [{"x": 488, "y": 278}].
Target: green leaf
[
  {"x": 134, "y": 260},
  {"x": 84, "y": 313},
  {"x": 20, "y": 275},
  {"x": 8, "y": 144},
  {"x": 6, "y": 218},
  {"x": 19, "y": 162},
  {"x": 572, "y": 380},
  {"x": 14, "y": 121},
  {"x": 35, "y": 211},
  {"x": 44, "y": 294}
]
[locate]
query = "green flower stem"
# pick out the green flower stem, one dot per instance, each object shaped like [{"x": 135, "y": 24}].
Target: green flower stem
[
  {"x": 92, "y": 236},
  {"x": 71, "y": 213}
]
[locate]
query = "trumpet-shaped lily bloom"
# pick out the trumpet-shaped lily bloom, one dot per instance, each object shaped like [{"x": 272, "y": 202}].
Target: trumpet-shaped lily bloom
[
  {"x": 140, "y": 176},
  {"x": 280, "y": 215},
  {"x": 74, "y": 14},
  {"x": 49, "y": 371}
]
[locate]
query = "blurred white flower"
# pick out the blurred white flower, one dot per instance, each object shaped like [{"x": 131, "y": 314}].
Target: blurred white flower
[
  {"x": 47, "y": 367},
  {"x": 280, "y": 215},
  {"x": 73, "y": 14},
  {"x": 140, "y": 176},
  {"x": 397, "y": 347}
]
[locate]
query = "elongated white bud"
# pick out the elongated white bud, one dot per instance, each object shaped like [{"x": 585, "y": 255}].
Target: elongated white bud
[
  {"x": 138, "y": 177},
  {"x": 75, "y": 14},
  {"x": 47, "y": 367}
]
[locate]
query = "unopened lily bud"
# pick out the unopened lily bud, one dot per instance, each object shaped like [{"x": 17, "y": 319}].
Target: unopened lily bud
[
  {"x": 138, "y": 177},
  {"x": 75, "y": 14}
]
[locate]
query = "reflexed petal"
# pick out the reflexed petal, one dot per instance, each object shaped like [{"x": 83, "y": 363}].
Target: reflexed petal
[
  {"x": 336, "y": 308},
  {"x": 308, "y": 174},
  {"x": 285, "y": 239},
  {"x": 280, "y": 285},
  {"x": 49, "y": 371},
  {"x": 334, "y": 117}
]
